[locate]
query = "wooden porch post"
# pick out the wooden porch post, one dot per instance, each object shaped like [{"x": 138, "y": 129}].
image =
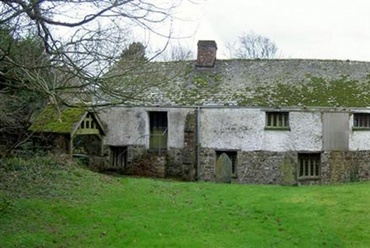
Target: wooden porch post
[
  {"x": 70, "y": 146},
  {"x": 101, "y": 146}
]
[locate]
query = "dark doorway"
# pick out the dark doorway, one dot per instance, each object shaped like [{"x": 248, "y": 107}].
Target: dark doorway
[{"x": 158, "y": 130}]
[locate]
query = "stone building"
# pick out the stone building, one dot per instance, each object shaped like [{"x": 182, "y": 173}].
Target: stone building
[{"x": 278, "y": 121}]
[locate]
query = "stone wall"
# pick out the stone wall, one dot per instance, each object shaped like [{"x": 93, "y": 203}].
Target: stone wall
[
  {"x": 362, "y": 161},
  {"x": 168, "y": 163},
  {"x": 174, "y": 162},
  {"x": 267, "y": 167},
  {"x": 254, "y": 167},
  {"x": 262, "y": 155},
  {"x": 244, "y": 129},
  {"x": 189, "y": 158},
  {"x": 147, "y": 164},
  {"x": 134, "y": 153},
  {"x": 347, "y": 166},
  {"x": 207, "y": 159}
]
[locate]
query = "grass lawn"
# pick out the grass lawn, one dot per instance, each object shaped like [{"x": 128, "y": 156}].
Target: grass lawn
[{"x": 74, "y": 207}]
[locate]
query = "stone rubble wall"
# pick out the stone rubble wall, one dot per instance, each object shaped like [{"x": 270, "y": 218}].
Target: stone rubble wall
[{"x": 280, "y": 168}]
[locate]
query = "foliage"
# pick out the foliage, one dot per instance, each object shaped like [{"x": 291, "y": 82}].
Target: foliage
[
  {"x": 88, "y": 209},
  {"x": 134, "y": 52},
  {"x": 21, "y": 95}
]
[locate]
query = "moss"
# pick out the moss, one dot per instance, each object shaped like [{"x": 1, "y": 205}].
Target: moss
[
  {"x": 180, "y": 83},
  {"x": 317, "y": 92},
  {"x": 200, "y": 81},
  {"x": 50, "y": 120}
]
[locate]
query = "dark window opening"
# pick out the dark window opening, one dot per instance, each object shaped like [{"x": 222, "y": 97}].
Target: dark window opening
[
  {"x": 361, "y": 120},
  {"x": 277, "y": 120},
  {"x": 118, "y": 156},
  {"x": 309, "y": 165}
]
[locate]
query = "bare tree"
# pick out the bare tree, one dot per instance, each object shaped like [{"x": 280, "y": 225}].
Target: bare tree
[
  {"x": 181, "y": 53},
  {"x": 176, "y": 51},
  {"x": 60, "y": 51},
  {"x": 252, "y": 46},
  {"x": 81, "y": 38}
]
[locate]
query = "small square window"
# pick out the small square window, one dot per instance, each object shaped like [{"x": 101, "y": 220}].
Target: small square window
[
  {"x": 309, "y": 165},
  {"x": 277, "y": 120},
  {"x": 361, "y": 120}
]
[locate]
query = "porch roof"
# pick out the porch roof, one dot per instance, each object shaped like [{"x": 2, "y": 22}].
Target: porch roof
[{"x": 63, "y": 121}]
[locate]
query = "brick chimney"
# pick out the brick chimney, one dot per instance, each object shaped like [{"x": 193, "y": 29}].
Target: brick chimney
[{"x": 206, "y": 53}]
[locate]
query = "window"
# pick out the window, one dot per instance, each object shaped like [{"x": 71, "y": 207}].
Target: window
[
  {"x": 118, "y": 157},
  {"x": 232, "y": 155},
  {"x": 361, "y": 120},
  {"x": 277, "y": 120},
  {"x": 309, "y": 165},
  {"x": 158, "y": 130}
]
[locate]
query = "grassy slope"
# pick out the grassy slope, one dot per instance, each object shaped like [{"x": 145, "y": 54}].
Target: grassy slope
[{"x": 93, "y": 210}]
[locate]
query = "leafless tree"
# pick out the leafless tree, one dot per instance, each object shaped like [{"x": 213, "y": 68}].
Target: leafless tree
[
  {"x": 81, "y": 38},
  {"x": 78, "y": 44},
  {"x": 177, "y": 52},
  {"x": 252, "y": 46}
]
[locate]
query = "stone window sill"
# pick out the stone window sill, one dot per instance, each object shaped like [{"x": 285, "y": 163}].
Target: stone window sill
[
  {"x": 278, "y": 128},
  {"x": 361, "y": 129}
]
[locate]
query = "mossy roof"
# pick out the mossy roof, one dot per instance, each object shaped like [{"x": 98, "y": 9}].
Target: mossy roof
[
  {"x": 52, "y": 121},
  {"x": 271, "y": 83}
]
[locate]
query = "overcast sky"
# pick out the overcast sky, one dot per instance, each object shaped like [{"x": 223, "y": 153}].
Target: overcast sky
[{"x": 321, "y": 29}]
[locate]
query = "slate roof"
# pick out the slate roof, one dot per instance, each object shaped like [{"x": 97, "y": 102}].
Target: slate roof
[{"x": 272, "y": 83}]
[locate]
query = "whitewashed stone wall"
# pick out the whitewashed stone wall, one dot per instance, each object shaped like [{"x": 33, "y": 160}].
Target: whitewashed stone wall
[
  {"x": 130, "y": 126},
  {"x": 263, "y": 155},
  {"x": 359, "y": 140},
  {"x": 244, "y": 129},
  {"x": 125, "y": 126},
  {"x": 227, "y": 129}
]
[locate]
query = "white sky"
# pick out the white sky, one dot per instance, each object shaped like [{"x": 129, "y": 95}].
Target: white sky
[{"x": 321, "y": 29}]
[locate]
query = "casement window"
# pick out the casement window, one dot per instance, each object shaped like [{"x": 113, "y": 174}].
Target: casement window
[
  {"x": 277, "y": 120},
  {"x": 232, "y": 155},
  {"x": 361, "y": 120},
  {"x": 118, "y": 156},
  {"x": 309, "y": 165}
]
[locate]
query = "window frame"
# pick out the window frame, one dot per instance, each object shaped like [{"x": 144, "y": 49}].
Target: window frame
[
  {"x": 158, "y": 122},
  {"x": 307, "y": 171},
  {"x": 118, "y": 156},
  {"x": 277, "y": 120},
  {"x": 361, "y": 121}
]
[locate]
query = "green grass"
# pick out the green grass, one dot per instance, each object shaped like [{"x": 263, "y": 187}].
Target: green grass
[{"x": 86, "y": 209}]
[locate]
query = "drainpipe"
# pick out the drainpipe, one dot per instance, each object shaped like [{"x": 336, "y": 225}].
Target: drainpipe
[{"x": 197, "y": 151}]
